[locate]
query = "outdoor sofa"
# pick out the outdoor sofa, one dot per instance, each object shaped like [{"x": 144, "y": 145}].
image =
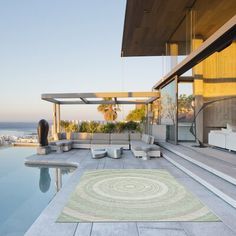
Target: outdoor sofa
[
  {"x": 224, "y": 138},
  {"x": 144, "y": 146},
  {"x": 90, "y": 140},
  {"x": 135, "y": 141},
  {"x": 62, "y": 144},
  {"x": 100, "y": 140}
]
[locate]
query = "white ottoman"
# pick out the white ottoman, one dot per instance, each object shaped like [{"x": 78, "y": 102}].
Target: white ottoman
[
  {"x": 98, "y": 153},
  {"x": 114, "y": 152}
]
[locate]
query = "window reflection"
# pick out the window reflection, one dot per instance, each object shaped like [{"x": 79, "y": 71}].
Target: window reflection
[
  {"x": 44, "y": 180},
  {"x": 168, "y": 110}
]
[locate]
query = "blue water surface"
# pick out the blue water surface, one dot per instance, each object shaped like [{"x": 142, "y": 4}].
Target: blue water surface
[
  {"x": 18, "y": 128},
  {"x": 24, "y": 191}
]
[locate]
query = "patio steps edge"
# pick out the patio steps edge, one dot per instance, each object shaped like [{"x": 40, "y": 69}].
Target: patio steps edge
[
  {"x": 220, "y": 174},
  {"x": 182, "y": 165}
]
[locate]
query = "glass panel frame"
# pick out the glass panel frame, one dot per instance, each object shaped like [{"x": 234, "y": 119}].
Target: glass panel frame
[
  {"x": 186, "y": 111},
  {"x": 169, "y": 110}
]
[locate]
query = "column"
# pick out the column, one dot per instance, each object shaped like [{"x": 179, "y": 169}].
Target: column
[
  {"x": 58, "y": 110},
  {"x": 146, "y": 119},
  {"x": 150, "y": 116},
  {"x": 173, "y": 54},
  {"x": 198, "y": 91},
  {"x": 54, "y": 131}
]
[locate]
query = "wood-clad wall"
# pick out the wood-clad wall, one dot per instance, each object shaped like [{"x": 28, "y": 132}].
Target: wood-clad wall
[{"x": 215, "y": 78}]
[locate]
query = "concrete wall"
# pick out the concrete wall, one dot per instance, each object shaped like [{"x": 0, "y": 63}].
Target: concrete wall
[
  {"x": 159, "y": 132},
  {"x": 183, "y": 132}
]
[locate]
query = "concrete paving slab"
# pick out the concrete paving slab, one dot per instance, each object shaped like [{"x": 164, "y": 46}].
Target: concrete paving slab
[
  {"x": 213, "y": 228},
  {"x": 45, "y": 225}
]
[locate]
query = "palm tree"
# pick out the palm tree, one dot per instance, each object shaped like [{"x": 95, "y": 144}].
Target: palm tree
[
  {"x": 138, "y": 114},
  {"x": 109, "y": 110}
]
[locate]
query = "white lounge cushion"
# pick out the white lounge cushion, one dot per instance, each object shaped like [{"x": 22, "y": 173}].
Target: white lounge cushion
[
  {"x": 101, "y": 136},
  {"x": 62, "y": 142},
  {"x": 145, "y": 138},
  {"x": 135, "y": 136},
  {"x": 81, "y": 136},
  {"x": 119, "y": 142},
  {"x": 224, "y": 130},
  {"x": 137, "y": 143},
  {"x": 82, "y": 141},
  {"x": 100, "y": 141},
  {"x": 154, "y": 147},
  {"x": 151, "y": 139},
  {"x": 217, "y": 138},
  {"x": 120, "y": 136},
  {"x": 231, "y": 127},
  {"x": 231, "y": 141}
]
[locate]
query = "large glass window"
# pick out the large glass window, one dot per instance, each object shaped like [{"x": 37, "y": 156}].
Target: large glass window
[
  {"x": 168, "y": 110},
  {"x": 185, "y": 111}
]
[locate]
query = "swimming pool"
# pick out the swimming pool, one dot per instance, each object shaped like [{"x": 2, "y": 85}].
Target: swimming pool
[{"x": 25, "y": 191}]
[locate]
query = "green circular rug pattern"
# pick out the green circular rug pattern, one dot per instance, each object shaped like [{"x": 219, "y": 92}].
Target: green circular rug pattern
[{"x": 132, "y": 195}]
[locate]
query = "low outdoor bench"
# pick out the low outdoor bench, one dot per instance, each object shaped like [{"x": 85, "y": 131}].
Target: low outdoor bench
[{"x": 61, "y": 146}]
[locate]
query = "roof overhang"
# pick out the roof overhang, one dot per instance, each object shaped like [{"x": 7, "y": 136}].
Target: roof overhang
[
  {"x": 101, "y": 98},
  {"x": 150, "y": 24},
  {"x": 217, "y": 42}
]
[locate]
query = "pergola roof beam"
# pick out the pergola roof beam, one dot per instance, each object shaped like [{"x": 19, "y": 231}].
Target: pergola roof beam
[
  {"x": 100, "y": 95},
  {"x": 52, "y": 100},
  {"x": 102, "y": 102},
  {"x": 84, "y": 100},
  {"x": 150, "y": 100}
]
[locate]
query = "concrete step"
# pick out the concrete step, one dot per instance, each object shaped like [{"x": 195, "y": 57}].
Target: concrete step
[
  {"x": 221, "y": 168},
  {"x": 219, "y": 186}
]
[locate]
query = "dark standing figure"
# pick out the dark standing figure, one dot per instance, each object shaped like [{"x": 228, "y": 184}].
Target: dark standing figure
[{"x": 43, "y": 128}]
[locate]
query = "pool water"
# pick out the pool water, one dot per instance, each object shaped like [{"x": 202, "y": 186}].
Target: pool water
[{"x": 24, "y": 191}]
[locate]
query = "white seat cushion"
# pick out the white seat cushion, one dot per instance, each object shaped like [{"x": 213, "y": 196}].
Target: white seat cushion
[
  {"x": 135, "y": 136},
  {"x": 85, "y": 141},
  {"x": 145, "y": 138}
]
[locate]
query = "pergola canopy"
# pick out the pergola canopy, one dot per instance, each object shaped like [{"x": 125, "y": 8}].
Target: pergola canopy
[{"x": 100, "y": 98}]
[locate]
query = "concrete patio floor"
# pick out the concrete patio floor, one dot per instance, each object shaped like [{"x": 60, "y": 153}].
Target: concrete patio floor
[{"x": 45, "y": 224}]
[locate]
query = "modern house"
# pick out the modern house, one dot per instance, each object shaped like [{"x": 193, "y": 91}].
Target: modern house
[{"x": 197, "y": 40}]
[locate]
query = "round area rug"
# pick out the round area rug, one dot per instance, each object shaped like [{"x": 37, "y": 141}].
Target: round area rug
[{"x": 132, "y": 195}]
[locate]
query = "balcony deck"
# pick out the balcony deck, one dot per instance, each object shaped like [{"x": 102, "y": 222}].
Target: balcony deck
[{"x": 45, "y": 224}]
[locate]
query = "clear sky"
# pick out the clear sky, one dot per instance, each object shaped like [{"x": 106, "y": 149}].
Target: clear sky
[{"x": 50, "y": 46}]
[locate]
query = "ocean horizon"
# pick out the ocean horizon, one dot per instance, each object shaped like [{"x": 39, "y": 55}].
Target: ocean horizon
[{"x": 18, "y": 128}]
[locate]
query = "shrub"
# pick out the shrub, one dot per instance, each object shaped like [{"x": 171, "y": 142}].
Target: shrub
[
  {"x": 73, "y": 127},
  {"x": 65, "y": 125},
  {"x": 94, "y": 127},
  {"x": 131, "y": 126},
  {"x": 68, "y": 126},
  {"x": 120, "y": 127},
  {"x": 84, "y": 126},
  {"x": 108, "y": 128}
]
